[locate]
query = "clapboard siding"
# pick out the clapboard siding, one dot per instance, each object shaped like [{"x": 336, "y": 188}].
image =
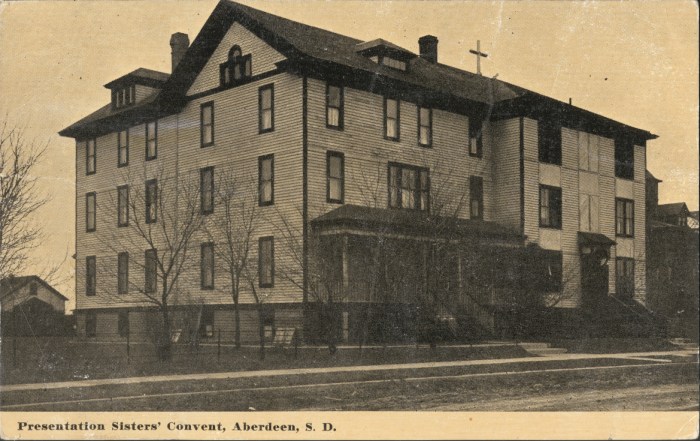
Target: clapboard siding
[
  {"x": 640, "y": 223},
  {"x": 263, "y": 58},
  {"x": 367, "y": 153},
  {"x": 505, "y": 141},
  {"x": 531, "y": 180}
]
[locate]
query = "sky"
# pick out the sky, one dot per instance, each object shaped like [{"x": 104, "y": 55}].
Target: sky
[{"x": 632, "y": 61}]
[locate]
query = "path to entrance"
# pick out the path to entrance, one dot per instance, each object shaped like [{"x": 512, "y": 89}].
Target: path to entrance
[{"x": 657, "y": 356}]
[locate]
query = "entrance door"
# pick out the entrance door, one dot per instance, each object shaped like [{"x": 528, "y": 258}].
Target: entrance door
[{"x": 594, "y": 280}]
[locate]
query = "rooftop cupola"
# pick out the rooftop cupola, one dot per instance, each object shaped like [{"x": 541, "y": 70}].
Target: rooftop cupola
[{"x": 385, "y": 53}]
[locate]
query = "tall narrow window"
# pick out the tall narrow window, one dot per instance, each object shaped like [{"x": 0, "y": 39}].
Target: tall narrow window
[
  {"x": 151, "y": 201},
  {"x": 624, "y": 159},
  {"x": 90, "y": 324},
  {"x": 123, "y": 323},
  {"x": 391, "y": 119},
  {"x": 334, "y": 106},
  {"x": 207, "y": 266},
  {"x": 123, "y": 148},
  {"x": 90, "y": 212},
  {"x": 476, "y": 197},
  {"x": 123, "y": 206},
  {"x": 624, "y": 217},
  {"x": 151, "y": 140},
  {"x": 550, "y": 207},
  {"x": 266, "y": 108},
  {"x": 425, "y": 126},
  {"x": 553, "y": 271},
  {"x": 624, "y": 280},
  {"x": 266, "y": 262},
  {"x": 237, "y": 69},
  {"x": 206, "y": 124},
  {"x": 549, "y": 141},
  {"x": 266, "y": 180},
  {"x": 90, "y": 275},
  {"x": 123, "y": 273},
  {"x": 476, "y": 144},
  {"x": 90, "y": 156},
  {"x": 150, "y": 269},
  {"x": 335, "y": 177},
  {"x": 206, "y": 189},
  {"x": 409, "y": 187}
]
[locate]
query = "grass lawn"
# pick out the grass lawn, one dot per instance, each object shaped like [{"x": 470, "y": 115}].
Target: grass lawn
[
  {"x": 614, "y": 345},
  {"x": 63, "y": 359}
]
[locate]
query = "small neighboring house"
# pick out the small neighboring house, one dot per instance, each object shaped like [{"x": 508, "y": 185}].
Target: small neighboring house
[
  {"x": 672, "y": 264},
  {"x": 30, "y": 306}
]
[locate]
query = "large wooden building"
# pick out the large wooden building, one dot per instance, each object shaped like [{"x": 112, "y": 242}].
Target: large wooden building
[{"x": 412, "y": 186}]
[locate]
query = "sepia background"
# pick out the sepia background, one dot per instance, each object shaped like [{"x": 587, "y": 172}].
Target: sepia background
[{"x": 632, "y": 61}]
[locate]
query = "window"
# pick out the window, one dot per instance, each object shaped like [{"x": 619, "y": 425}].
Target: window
[
  {"x": 409, "y": 187},
  {"x": 90, "y": 324},
  {"x": 624, "y": 280},
  {"x": 476, "y": 197},
  {"x": 550, "y": 207},
  {"x": 425, "y": 126},
  {"x": 266, "y": 180},
  {"x": 624, "y": 217},
  {"x": 206, "y": 124},
  {"x": 266, "y": 108},
  {"x": 123, "y": 323},
  {"x": 335, "y": 177},
  {"x": 151, "y": 201},
  {"x": 150, "y": 269},
  {"x": 123, "y": 273},
  {"x": 90, "y": 275},
  {"x": 334, "y": 106},
  {"x": 206, "y": 325},
  {"x": 207, "y": 266},
  {"x": 206, "y": 189},
  {"x": 475, "y": 137},
  {"x": 624, "y": 159},
  {"x": 588, "y": 148},
  {"x": 553, "y": 271},
  {"x": 549, "y": 141},
  {"x": 90, "y": 156},
  {"x": 268, "y": 321},
  {"x": 393, "y": 63},
  {"x": 123, "y": 97},
  {"x": 237, "y": 69},
  {"x": 151, "y": 140},
  {"x": 391, "y": 119},
  {"x": 90, "y": 212},
  {"x": 588, "y": 213},
  {"x": 266, "y": 262},
  {"x": 123, "y": 206},
  {"x": 123, "y": 148},
  {"x": 33, "y": 289}
]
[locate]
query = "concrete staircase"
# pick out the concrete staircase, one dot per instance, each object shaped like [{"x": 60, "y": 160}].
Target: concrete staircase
[
  {"x": 541, "y": 349},
  {"x": 685, "y": 344}
]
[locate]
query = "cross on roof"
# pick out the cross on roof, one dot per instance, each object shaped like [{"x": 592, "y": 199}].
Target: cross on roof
[{"x": 478, "y": 54}]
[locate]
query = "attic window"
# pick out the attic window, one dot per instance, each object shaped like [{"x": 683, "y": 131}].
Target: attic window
[
  {"x": 236, "y": 69},
  {"x": 389, "y": 62},
  {"x": 123, "y": 97}
]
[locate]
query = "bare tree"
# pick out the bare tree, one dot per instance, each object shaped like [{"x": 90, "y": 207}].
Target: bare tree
[
  {"x": 233, "y": 227},
  {"x": 19, "y": 198},
  {"x": 250, "y": 275},
  {"x": 163, "y": 217}
]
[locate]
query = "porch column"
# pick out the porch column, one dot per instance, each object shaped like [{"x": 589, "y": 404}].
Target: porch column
[{"x": 346, "y": 281}]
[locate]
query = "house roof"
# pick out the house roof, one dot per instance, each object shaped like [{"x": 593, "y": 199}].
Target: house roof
[
  {"x": 649, "y": 176},
  {"x": 11, "y": 284},
  {"x": 586, "y": 238},
  {"x": 409, "y": 222},
  {"x": 319, "y": 50},
  {"x": 674, "y": 209},
  {"x": 141, "y": 75}
]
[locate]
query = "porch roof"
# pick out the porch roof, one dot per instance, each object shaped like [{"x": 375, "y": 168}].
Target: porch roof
[
  {"x": 412, "y": 222},
  {"x": 586, "y": 238}
]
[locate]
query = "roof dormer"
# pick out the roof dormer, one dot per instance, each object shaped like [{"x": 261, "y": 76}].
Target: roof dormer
[
  {"x": 385, "y": 53},
  {"x": 135, "y": 86}
]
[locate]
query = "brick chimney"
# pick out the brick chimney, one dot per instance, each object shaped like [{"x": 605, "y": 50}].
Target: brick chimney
[
  {"x": 179, "y": 43},
  {"x": 428, "y": 45}
]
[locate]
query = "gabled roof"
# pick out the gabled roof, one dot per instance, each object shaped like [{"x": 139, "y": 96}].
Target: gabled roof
[
  {"x": 313, "y": 50},
  {"x": 11, "y": 284},
  {"x": 674, "y": 209}
]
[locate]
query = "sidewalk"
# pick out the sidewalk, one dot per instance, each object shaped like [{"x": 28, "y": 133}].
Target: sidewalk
[{"x": 642, "y": 356}]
